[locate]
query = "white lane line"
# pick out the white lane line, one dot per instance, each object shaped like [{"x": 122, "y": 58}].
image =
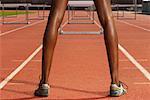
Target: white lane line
[
  {"x": 5, "y": 33},
  {"x": 135, "y": 26},
  {"x": 19, "y": 68},
  {"x": 23, "y": 60},
  {"x": 9, "y": 69},
  {"x": 133, "y": 68},
  {"x": 132, "y": 59},
  {"x": 141, "y": 83},
  {"x": 140, "y": 60}
]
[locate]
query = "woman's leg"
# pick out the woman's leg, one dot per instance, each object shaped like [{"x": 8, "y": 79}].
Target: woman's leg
[
  {"x": 49, "y": 42},
  {"x": 50, "y": 36},
  {"x": 110, "y": 35},
  {"x": 111, "y": 40}
]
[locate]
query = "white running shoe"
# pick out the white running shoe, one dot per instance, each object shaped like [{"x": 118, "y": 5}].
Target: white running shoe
[
  {"x": 116, "y": 91},
  {"x": 42, "y": 90}
]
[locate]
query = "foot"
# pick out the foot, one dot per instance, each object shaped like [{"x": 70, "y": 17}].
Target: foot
[
  {"x": 42, "y": 90},
  {"x": 116, "y": 91}
]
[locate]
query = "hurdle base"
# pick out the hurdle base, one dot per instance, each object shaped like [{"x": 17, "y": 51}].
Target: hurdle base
[
  {"x": 80, "y": 22},
  {"x": 73, "y": 32},
  {"x": 15, "y": 23},
  {"x": 36, "y": 19}
]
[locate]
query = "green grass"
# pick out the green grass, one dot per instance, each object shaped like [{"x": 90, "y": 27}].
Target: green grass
[{"x": 8, "y": 13}]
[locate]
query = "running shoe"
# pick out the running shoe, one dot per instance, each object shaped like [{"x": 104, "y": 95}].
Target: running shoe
[
  {"x": 42, "y": 90},
  {"x": 116, "y": 91}
]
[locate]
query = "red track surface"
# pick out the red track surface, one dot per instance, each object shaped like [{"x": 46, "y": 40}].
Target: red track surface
[{"x": 80, "y": 69}]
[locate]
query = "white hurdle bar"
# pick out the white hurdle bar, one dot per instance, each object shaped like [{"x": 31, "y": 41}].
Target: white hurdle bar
[{"x": 72, "y": 16}]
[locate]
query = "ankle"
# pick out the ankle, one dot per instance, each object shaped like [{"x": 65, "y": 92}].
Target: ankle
[
  {"x": 115, "y": 82},
  {"x": 43, "y": 82}
]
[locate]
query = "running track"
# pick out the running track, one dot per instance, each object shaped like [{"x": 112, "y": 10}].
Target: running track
[{"x": 80, "y": 68}]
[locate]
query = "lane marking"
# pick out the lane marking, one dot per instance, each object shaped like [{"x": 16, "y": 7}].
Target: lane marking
[
  {"x": 121, "y": 60},
  {"x": 5, "y": 33},
  {"x": 23, "y": 60},
  {"x": 20, "y": 67},
  {"x": 127, "y": 24},
  {"x": 9, "y": 69},
  {"x": 141, "y": 83},
  {"x": 140, "y": 60},
  {"x": 132, "y": 59},
  {"x": 133, "y": 68},
  {"x": 135, "y": 26}
]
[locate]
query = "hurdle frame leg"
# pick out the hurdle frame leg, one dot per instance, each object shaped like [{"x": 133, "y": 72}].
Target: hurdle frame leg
[
  {"x": 26, "y": 16},
  {"x": 134, "y": 5},
  {"x": 38, "y": 14},
  {"x": 71, "y": 16}
]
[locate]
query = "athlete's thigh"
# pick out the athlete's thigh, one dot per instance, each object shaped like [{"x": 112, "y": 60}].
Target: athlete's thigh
[
  {"x": 103, "y": 8},
  {"x": 60, "y": 4}
]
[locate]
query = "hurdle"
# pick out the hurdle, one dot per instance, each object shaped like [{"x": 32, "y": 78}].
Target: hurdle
[
  {"x": 38, "y": 4},
  {"x": 146, "y": 7},
  {"x": 11, "y": 16},
  {"x": 132, "y": 6},
  {"x": 89, "y": 8},
  {"x": 73, "y": 16},
  {"x": 15, "y": 4}
]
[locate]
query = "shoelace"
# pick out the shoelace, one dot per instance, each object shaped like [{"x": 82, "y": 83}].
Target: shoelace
[{"x": 124, "y": 85}]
